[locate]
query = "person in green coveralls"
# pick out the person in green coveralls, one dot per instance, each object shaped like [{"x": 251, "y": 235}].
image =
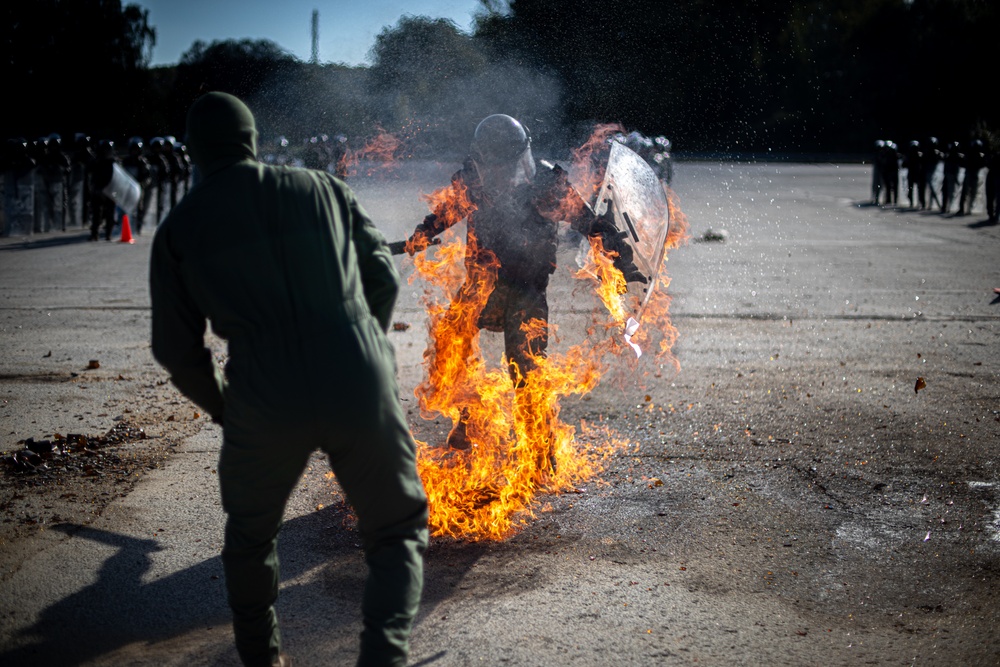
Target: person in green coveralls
[{"x": 286, "y": 266}]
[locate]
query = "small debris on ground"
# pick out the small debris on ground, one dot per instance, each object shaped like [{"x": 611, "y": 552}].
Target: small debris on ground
[
  {"x": 63, "y": 450},
  {"x": 715, "y": 235}
]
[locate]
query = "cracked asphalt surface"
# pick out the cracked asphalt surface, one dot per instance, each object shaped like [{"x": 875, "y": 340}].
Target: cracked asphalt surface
[{"x": 787, "y": 497}]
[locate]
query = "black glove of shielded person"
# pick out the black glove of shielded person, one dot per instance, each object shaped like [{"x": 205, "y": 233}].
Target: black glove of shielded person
[{"x": 615, "y": 244}]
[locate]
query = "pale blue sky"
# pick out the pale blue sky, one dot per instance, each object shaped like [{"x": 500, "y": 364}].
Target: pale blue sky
[{"x": 347, "y": 28}]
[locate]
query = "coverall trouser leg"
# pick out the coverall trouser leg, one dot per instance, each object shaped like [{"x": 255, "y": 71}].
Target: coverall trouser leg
[
  {"x": 256, "y": 480},
  {"x": 377, "y": 471},
  {"x": 382, "y": 485}
]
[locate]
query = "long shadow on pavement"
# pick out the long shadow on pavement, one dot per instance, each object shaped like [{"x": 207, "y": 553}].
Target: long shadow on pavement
[
  {"x": 121, "y": 608},
  {"x": 70, "y": 238},
  {"x": 983, "y": 223}
]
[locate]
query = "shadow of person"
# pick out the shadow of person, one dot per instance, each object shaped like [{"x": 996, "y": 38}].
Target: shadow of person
[
  {"x": 322, "y": 565},
  {"x": 126, "y": 605},
  {"x": 49, "y": 242},
  {"x": 118, "y": 608},
  {"x": 979, "y": 224}
]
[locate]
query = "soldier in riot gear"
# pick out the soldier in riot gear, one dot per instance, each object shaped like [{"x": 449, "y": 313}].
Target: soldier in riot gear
[
  {"x": 176, "y": 168},
  {"x": 932, "y": 155},
  {"x": 55, "y": 170},
  {"x": 338, "y": 155},
  {"x": 877, "y": 180},
  {"x": 317, "y": 154},
  {"x": 160, "y": 167},
  {"x": 642, "y": 145},
  {"x": 81, "y": 170},
  {"x": 890, "y": 172},
  {"x": 19, "y": 188},
  {"x": 516, "y": 199},
  {"x": 975, "y": 160},
  {"x": 993, "y": 183},
  {"x": 102, "y": 206},
  {"x": 187, "y": 168},
  {"x": 42, "y": 209},
  {"x": 913, "y": 162},
  {"x": 136, "y": 164},
  {"x": 953, "y": 158},
  {"x": 663, "y": 162}
]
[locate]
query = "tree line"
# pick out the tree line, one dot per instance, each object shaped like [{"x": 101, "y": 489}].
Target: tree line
[{"x": 712, "y": 75}]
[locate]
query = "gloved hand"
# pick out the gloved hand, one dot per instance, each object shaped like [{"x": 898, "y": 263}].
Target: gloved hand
[
  {"x": 615, "y": 245},
  {"x": 625, "y": 260}
]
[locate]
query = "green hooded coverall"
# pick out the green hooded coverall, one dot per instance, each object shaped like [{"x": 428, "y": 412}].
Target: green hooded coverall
[{"x": 288, "y": 268}]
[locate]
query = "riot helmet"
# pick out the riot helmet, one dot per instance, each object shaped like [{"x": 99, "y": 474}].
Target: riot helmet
[
  {"x": 17, "y": 146},
  {"x": 637, "y": 141},
  {"x": 501, "y": 153},
  {"x": 105, "y": 148},
  {"x": 135, "y": 145},
  {"x": 499, "y": 139}
]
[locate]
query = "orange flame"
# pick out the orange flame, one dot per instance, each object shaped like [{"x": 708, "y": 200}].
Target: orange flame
[
  {"x": 656, "y": 315},
  {"x": 380, "y": 153}
]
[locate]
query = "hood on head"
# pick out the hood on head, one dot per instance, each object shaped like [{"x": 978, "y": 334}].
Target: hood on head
[{"x": 220, "y": 130}]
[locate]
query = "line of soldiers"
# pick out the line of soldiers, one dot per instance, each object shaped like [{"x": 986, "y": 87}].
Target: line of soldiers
[
  {"x": 326, "y": 154},
  {"x": 655, "y": 151},
  {"x": 921, "y": 159},
  {"x": 47, "y": 186}
]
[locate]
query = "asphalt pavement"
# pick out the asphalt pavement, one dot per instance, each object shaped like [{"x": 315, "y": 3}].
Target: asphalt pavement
[{"x": 815, "y": 506}]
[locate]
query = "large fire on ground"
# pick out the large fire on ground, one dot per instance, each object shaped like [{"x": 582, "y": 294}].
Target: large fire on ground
[{"x": 521, "y": 446}]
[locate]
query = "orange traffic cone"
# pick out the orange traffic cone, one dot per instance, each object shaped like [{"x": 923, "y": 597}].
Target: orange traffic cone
[{"x": 126, "y": 230}]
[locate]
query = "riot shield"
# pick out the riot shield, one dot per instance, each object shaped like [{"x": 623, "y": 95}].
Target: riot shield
[
  {"x": 638, "y": 202},
  {"x": 123, "y": 190},
  {"x": 19, "y": 203}
]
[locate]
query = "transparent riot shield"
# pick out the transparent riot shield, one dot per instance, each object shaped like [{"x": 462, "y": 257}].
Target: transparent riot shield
[
  {"x": 123, "y": 190},
  {"x": 638, "y": 201},
  {"x": 19, "y": 203}
]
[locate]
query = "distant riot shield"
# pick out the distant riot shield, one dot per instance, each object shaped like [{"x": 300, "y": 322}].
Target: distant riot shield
[
  {"x": 638, "y": 201},
  {"x": 19, "y": 203},
  {"x": 49, "y": 195},
  {"x": 42, "y": 213},
  {"x": 123, "y": 190},
  {"x": 77, "y": 177}
]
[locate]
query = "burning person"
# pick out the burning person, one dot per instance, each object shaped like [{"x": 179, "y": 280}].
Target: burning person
[{"x": 513, "y": 204}]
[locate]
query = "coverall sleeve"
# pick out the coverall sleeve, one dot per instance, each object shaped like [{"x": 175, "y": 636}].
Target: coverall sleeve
[
  {"x": 378, "y": 272},
  {"x": 179, "y": 333}
]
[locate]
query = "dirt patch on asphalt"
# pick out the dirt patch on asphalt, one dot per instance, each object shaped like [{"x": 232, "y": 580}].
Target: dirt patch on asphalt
[{"x": 60, "y": 477}]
